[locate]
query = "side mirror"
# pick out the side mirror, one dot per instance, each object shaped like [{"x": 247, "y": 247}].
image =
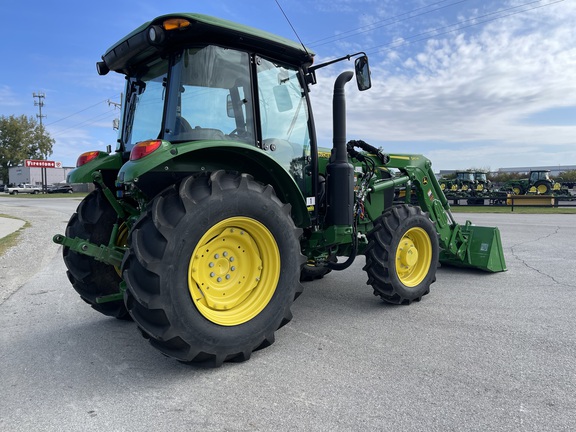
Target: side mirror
[
  {"x": 362, "y": 73},
  {"x": 229, "y": 107}
]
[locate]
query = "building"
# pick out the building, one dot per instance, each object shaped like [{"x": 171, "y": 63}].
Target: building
[{"x": 33, "y": 175}]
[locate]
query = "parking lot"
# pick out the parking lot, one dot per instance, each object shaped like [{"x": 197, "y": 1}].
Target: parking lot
[{"x": 481, "y": 352}]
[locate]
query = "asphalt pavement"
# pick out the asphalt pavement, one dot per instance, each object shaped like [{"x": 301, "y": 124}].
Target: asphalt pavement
[{"x": 481, "y": 352}]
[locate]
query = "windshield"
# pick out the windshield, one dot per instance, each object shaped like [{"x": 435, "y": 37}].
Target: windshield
[
  {"x": 466, "y": 176},
  {"x": 481, "y": 177}
]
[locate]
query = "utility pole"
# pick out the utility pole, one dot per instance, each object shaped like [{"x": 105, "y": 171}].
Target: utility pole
[
  {"x": 115, "y": 122},
  {"x": 40, "y": 103}
]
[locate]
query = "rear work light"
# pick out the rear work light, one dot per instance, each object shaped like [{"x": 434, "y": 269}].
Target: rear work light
[
  {"x": 144, "y": 148},
  {"x": 84, "y": 158},
  {"x": 157, "y": 33}
]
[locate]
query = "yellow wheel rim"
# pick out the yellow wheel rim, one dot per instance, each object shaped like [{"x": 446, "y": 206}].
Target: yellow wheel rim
[
  {"x": 234, "y": 271},
  {"x": 413, "y": 257},
  {"x": 516, "y": 190},
  {"x": 542, "y": 189}
]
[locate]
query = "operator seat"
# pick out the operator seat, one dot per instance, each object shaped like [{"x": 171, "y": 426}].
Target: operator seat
[{"x": 185, "y": 132}]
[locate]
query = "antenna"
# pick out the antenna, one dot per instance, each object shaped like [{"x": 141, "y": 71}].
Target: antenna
[{"x": 293, "y": 29}]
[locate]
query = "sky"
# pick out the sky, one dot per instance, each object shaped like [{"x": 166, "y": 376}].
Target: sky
[{"x": 477, "y": 84}]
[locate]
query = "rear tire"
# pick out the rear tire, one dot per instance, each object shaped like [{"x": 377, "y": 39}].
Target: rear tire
[
  {"x": 93, "y": 221},
  {"x": 543, "y": 187},
  {"x": 213, "y": 268},
  {"x": 402, "y": 255}
]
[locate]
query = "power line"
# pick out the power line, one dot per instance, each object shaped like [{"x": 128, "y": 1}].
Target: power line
[
  {"x": 434, "y": 32},
  {"x": 389, "y": 21},
  {"x": 86, "y": 122},
  {"x": 81, "y": 111},
  {"x": 459, "y": 26}
]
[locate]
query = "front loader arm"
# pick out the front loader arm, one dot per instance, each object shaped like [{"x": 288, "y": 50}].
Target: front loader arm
[
  {"x": 420, "y": 180},
  {"x": 466, "y": 246}
]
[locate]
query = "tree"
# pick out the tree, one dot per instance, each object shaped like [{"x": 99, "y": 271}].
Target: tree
[
  {"x": 569, "y": 176},
  {"x": 21, "y": 138}
]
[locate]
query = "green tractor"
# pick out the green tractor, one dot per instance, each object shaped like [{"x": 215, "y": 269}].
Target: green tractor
[
  {"x": 217, "y": 203},
  {"x": 460, "y": 185},
  {"x": 538, "y": 182},
  {"x": 481, "y": 189}
]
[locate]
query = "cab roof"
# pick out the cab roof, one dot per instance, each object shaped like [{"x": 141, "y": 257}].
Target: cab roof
[{"x": 136, "y": 47}]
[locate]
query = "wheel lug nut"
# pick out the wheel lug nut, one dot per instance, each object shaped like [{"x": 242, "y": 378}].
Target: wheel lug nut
[
  {"x": 219, "y": 279},
  {"x": 211, "y": 264},
  {"x": 212, "y": 274},
  {"x": 225, "y": 254},
  {"x": 216, "y": 256},
  {"x": 232, "y": 268},
  {"x": 227, "y": 276}
]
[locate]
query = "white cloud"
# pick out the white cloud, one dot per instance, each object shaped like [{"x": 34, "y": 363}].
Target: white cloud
[
  {"x": 8, "y": 98},
  {"x": 471, "y": 94}
]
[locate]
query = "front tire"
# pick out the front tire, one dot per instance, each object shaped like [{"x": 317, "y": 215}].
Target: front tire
[
  {"x": 93, "y": 221},
  {"x": 213, "y": 268},
  {"x": 402, "y": 255}
]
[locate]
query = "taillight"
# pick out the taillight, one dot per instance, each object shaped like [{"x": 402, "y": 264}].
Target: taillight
[
  {"x": 84, "y": 158},
  {"x": 144, "y": 148}
]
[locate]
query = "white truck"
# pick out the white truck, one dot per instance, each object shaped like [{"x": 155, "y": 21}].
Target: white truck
[{"x": 24, "y": 188}]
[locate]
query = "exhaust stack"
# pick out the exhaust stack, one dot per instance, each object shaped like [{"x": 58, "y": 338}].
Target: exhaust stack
[{"x": 340, "y": 173}]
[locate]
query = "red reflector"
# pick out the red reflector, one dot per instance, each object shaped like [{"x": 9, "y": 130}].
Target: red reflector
[
  {"x": 84, "y": 158},
  {"x": 144, "y": 148}
]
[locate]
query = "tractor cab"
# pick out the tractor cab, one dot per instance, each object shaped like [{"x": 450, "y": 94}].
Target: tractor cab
[
  {"x": 208, "y": 94},
  {"x": 539, "y": 175},
  {"x": 465, "y": 176},
  {"x": 204, "y": 93},
  {"x": 480, "y": 177}
]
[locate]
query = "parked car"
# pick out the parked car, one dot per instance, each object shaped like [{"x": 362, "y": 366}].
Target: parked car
[
  {"x": 60, "y": 189},
  {"x": 24, "y": 188}
]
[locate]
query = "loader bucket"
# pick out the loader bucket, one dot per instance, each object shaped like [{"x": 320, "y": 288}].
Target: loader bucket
[{"x": 483, "y": 250}]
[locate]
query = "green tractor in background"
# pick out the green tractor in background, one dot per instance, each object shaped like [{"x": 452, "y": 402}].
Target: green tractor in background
[
  {"x": 538, "y": 182},
  {"x": 481, "y": 190},
  {"x": 218, "y": 202},
  {"x": 467, "y": 185}
]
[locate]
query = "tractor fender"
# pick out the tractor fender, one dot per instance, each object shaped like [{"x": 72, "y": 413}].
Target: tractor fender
[
  {"x": 210, "y": 156},
  {"x": 104, "y": 162}
]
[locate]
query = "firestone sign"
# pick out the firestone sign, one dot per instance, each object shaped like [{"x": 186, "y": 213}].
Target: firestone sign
[{"x": 35, "y": 163}]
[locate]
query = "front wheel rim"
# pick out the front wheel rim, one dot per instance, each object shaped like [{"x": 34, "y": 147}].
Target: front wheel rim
[
  {"x": 413, "y": 257},
  {"x": 234, "y": 271}
]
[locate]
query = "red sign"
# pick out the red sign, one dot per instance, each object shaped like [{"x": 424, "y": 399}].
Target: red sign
[{"x": 34, "y": 163}]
